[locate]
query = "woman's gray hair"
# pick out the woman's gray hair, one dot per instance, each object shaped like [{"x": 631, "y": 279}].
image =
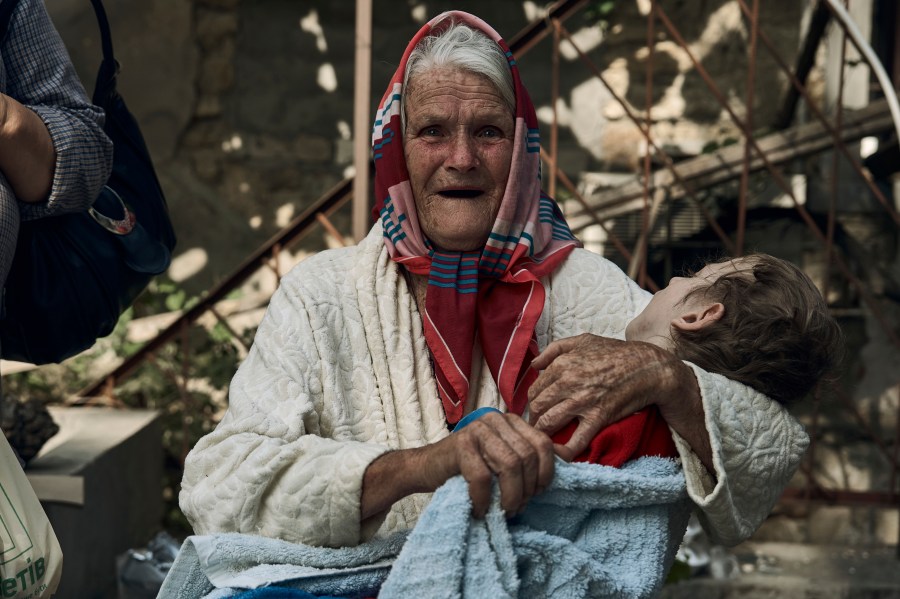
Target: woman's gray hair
[{"x": 459, "y": 46}]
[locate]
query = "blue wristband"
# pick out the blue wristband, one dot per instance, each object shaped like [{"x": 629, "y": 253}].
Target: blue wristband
[{"x": 473, "y": 416}]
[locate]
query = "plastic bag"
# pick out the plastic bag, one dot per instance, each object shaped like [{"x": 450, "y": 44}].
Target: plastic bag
[
  {"x": 141, "y": 571},
  {"x": 30, "y": 556}
]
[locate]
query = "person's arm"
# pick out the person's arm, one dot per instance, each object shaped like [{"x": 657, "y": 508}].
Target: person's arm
[
  {"x": 495, "y": 444},
  {"x": 27, "y": 157},
  {"x": 738, "y": 447},
  {"x": 580, "y": 371},
  {"x": 756, "y": 445},
  {"x": 45, "y": 99},
  {"x": 286, "y": 462},
  {"x": 750, "y": 445},
  {"x": 272, "y": 466}
]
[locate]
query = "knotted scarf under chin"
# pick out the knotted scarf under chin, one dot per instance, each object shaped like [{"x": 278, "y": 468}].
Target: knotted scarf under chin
[{"x": 495, "y": 291}]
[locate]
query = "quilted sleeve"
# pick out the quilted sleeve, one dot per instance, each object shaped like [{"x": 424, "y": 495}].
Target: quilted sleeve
[
  {"x": 269, "y": 468},
  {"x": 757, "y": 446}
]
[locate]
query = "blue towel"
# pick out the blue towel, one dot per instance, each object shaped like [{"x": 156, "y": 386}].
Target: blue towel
[
  {"x": 218, "y": 566},
  {"x": 280, "y": 593},
  {"x": 595, "y": 532}
]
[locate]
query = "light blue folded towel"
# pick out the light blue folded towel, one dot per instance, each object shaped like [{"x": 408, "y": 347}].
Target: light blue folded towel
[{"x": 595, "y": 532}]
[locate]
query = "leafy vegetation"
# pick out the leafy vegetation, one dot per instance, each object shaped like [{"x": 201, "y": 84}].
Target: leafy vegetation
[
  {"x": 600, "y": 12},
  {"x": 185, "y": 381}
]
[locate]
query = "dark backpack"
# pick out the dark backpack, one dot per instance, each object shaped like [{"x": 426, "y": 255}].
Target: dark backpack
[{"x": 73, "y": 275}]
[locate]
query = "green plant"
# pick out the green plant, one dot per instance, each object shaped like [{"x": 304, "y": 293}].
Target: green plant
[
  {"x": 186, "y": 381},
  {"x": 714, "y": 145},
  {"x": 600, "y": 12},
  {"x": 680, "y": 571},
  {"x": 190, "y": 395}
]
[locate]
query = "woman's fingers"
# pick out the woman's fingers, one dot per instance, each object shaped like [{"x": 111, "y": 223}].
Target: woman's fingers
[
  {"x": 598, "y": 381},
  {"x": 587, "y": 429},
  {"x": 553, "y": 351},
  {"x": 555, "y": 416},
  {"x": 517, "y": 464},
  {"x": 543, "y": 450},
  {"x": 505, "y": 446},
  {"x": 477, "y": 473}
]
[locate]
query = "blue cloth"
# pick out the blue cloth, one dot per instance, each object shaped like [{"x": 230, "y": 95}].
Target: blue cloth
[
  {"x": 473, "y": 416},
  {"x": 595, "y": 532},
  {"x": 222, "y": 565},
  {"x": 280, "y": 593}
]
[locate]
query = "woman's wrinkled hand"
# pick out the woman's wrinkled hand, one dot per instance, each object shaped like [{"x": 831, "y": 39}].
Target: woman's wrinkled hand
[
  {"x": 496, "y": 444},
  {"x": 599, "y": 381}
]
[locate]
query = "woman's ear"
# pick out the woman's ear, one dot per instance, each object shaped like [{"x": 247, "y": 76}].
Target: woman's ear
[{"x": 699, "y": 317}]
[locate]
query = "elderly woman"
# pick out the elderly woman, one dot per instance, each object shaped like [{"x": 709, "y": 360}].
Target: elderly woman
[{"x": 339, "y": 420}]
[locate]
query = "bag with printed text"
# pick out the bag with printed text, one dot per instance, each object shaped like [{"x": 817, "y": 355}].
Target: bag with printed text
[{"x": 30, "y": 556}]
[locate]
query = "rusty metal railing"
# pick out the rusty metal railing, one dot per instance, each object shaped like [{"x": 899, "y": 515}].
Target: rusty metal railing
[
  {"x": 264, "y": 257},
  {"x": 645, "y": 196},
  {"x": 675, "y": 181}
]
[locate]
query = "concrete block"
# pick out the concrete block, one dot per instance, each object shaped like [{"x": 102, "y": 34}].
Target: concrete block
[{"x": 100, "y": 482}]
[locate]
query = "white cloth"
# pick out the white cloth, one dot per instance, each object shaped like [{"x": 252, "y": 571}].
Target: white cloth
[{"x": 339, "y": 374}]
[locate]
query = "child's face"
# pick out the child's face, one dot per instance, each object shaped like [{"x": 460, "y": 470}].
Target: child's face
[{"x": 654, "y": 324}]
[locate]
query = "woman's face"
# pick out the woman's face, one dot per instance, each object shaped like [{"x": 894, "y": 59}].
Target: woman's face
[{"x": 458, "y": 146}]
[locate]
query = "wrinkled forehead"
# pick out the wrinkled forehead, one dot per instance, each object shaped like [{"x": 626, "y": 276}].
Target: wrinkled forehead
[{"x": 457, "y": 80}]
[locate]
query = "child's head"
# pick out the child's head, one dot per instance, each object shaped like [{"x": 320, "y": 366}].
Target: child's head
[{"x": 757, "y": 319}]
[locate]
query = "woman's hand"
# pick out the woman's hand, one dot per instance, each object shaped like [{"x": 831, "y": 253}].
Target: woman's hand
[
  {"x": 496, "y": 444},
  {"x": 600, "y": 381}
]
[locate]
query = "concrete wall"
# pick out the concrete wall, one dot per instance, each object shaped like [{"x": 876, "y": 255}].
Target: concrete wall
[{"x": 247, "y": 106}]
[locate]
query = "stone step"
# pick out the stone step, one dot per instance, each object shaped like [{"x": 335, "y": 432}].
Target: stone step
[{"x": 793, "y": 570}]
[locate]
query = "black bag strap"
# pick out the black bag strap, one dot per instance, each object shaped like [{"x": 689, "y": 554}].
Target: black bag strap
[
  {"x": 105, "y": 88},
  {"x": 105, "y": 36},
  {"x": 7, "y": 7}
]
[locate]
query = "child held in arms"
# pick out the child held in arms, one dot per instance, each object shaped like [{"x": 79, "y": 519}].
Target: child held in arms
[{"x": 756, "y": 319}]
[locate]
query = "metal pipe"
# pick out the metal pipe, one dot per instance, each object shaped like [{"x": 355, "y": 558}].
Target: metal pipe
[
  {"x": 526, "y": 39},
  {"x": 806, "y": 60},
  {"x": 779, "y": 179},
  {"x": 832, "y": 202},
  {"x": 670, "y": 165},
  {"x": 554, "y": 99},
  {"x": 814, "y": 109},
  {"x": 362, "y": 124},
  {"x": 865, "y": 49},
  {"x": 642, "y": 243},
  {"x": 745, "y": 171}
]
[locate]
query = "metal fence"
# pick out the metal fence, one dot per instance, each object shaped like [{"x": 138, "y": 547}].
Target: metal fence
[{"x": 666, "y": 184}]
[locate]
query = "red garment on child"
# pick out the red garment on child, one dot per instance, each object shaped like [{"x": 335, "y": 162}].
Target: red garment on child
[{"x": 644, "y": 433}]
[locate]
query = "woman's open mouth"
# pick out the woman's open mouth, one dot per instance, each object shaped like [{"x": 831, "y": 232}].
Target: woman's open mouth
[{"x": 464, "y": 194}]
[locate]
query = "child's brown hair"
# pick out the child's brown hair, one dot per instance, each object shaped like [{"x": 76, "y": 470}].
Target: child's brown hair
[{"x": 776, "y": 335}]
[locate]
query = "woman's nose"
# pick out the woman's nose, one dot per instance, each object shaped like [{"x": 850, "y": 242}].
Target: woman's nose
[{"x": 463, "y": 155}]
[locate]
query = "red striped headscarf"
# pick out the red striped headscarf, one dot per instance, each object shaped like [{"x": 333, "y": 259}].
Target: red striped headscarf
[{"x": 496, "y": 290}]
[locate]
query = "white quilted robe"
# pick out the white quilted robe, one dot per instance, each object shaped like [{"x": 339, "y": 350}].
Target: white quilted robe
[{"x": 339, "y": 373}]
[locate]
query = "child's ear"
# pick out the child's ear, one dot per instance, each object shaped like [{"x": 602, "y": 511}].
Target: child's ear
[{"x": 699, "y": 317}]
